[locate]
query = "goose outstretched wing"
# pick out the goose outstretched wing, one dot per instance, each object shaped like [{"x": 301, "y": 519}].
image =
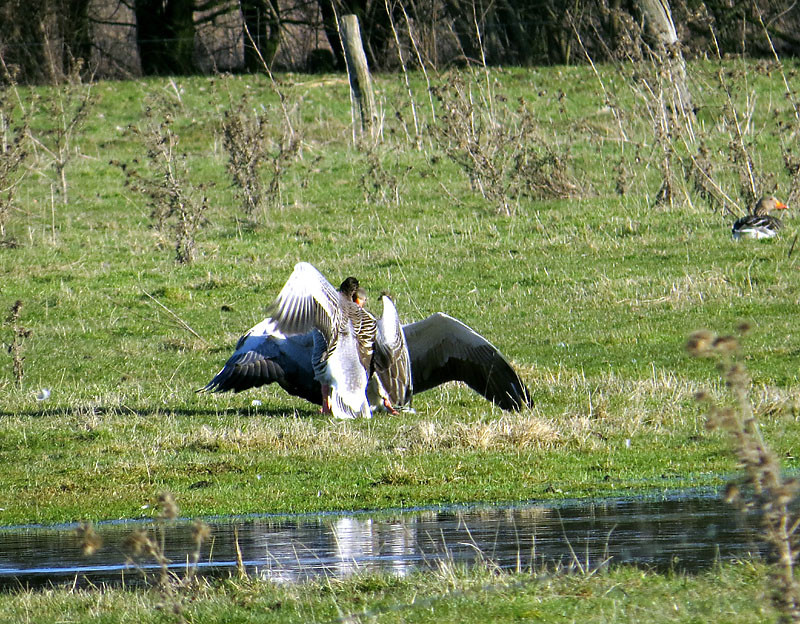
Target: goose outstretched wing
[
  {"x": 263, "y": 356},
  {"x": 442, "y": 349},
  {"x": 391, "y": 362}
]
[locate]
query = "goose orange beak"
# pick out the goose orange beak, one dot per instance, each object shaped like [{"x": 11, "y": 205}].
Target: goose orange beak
[{"x": 779, "y": 205}]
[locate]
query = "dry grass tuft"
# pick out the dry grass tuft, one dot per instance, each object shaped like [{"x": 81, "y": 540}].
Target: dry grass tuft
[
  {"x": 283, "y": 436},
  {"x": 510, "y": 431}
]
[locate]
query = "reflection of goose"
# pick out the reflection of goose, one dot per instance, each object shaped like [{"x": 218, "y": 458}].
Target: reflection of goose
[
  {"x": 440, "y": 349},
  {"x": 760, "y": 224},
  {"x": 343, "y": 334},
  {"x": 354, "y": 545}
]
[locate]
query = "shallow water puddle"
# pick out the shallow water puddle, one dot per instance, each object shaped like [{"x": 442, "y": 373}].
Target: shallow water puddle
[{"x": 682, "y": 531}]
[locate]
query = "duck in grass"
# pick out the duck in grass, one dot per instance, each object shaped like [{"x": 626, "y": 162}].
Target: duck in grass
[{"x": 760, "y": 224}]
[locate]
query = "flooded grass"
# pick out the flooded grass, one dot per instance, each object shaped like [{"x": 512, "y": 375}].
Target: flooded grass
[{"x": 682, "y": 532}]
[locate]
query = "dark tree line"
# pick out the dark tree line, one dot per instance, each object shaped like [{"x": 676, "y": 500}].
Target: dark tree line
[{"x": 43, "y": 40}]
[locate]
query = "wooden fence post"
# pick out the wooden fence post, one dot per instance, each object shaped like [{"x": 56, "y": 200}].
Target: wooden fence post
[{"x": 362, "y": 98}]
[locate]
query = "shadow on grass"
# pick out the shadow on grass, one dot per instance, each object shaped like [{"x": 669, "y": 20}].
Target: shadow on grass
[{"x": 260, "y": 412}]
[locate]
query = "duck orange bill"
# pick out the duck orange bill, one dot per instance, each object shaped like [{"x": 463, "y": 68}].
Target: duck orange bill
[{"x": 779, "y": 205}]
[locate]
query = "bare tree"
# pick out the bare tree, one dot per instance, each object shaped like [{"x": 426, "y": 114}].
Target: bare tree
[
  {"x": 165, "y": 35},
  {"x": 262, "y": 32},
  {"x": 667, "y": 48}
]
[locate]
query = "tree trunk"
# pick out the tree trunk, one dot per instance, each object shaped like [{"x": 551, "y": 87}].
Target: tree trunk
[
  {"x": 331, "y": 30},
  {"x": 464, "y": 28},
  {"x": 659, "y": 25},
  {"x": 77, "y": 34},
  {"x": 180, "y": 27},
  {"x": 23, "y": 39},
  {"x": 512, "y": 15},
  {"x": 165, "y": 36},
  {"x": 263, "y": 32}
]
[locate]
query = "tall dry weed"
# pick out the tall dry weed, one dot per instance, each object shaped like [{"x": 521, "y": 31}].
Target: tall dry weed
[
  {"x": 18, "y": 336},
  {"x": 145, "y": 546},
  {"x": 177, "y": 206},
  {"x": 14, "y": 148},
  {"x": 67, "y": 108},
  {"x": 762, "y": 488},
  {"x": 257, "y": 161},
  {"x": 505, "y": 152}
]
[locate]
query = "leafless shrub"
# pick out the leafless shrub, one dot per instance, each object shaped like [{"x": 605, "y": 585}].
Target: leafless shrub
[
  {"x": 656, "y": 78},
  {"x": 762, "y": 487},
  {"x": 703, "y": 171},
  {"x": 380, "y": 184},
  {"x": 740, "y": 143},
  {"x": 252, "y": 155},
  {"x": 502, "y": 149},
  {"x": 729, "y": 177},
  {"x": 67, "y": 108},
  {"x": 18, "y": 337},
  {"x": 788, "y": 126},
  {"x": 176, "y": 204},
  {"x": 244, "y": 139},
  {"x": 791, "y": 161},
  {"x": 788, "y": 133},
  {"x": 719, "y": 160},
  {"x": 14, "y": 148}
]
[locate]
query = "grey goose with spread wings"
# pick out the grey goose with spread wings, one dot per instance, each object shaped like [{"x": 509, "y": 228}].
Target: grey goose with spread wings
[{"x": 440, "y": 348}]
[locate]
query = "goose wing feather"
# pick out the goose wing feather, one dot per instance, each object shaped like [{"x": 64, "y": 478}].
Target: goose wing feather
[
  {"x": 263, "y": 356},
  {"x": 391, "y": 361},
  {"x": 307, "y": 301},
  {"x": 442, "y": 349},
  {"x": 757, "y": 226}
]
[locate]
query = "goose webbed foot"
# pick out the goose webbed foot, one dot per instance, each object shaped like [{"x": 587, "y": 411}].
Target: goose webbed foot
[{"x": 389, "y": 407}]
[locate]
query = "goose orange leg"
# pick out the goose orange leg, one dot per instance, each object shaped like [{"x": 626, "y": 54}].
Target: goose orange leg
[{"x": 326, "y": 399}]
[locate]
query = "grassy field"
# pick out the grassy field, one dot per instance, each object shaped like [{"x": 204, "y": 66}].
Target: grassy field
[
  {"x": 591, "y": 296},
  {"x": 731, "y": 594}
]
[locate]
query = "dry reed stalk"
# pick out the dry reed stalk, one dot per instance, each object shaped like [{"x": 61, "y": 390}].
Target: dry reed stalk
[
  {"x": 762, "y": 487},
  {"x": 15, "y": 348}
]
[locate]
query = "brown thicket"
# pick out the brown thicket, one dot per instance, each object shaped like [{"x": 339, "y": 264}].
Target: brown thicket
[{"x": 47, "y": 39}]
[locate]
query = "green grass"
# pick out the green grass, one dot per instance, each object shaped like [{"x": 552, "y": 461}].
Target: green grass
[
  {"x": 591, "y": 297},
  {"x": 731, "y": 593}
]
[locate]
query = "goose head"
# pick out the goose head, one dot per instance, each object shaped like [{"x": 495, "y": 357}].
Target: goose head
[
  {"x": 765, "y": 205},
  {"x": 352, "y": 291}
]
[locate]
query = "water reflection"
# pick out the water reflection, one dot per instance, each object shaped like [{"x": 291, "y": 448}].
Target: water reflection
[{"x": 683, "y": 532}]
